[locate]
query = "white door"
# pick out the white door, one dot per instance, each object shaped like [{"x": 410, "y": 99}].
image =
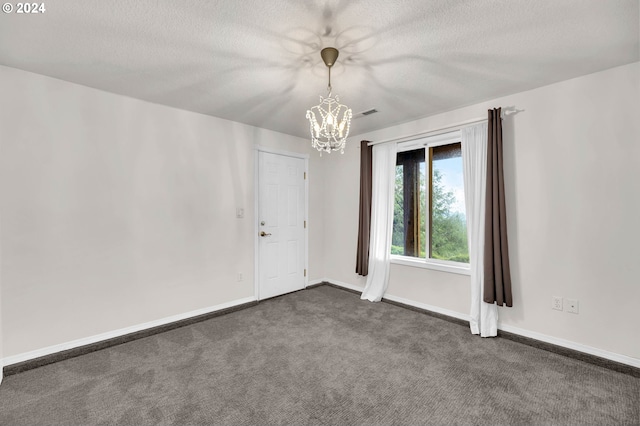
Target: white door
[{"x": 281, "y": 224}]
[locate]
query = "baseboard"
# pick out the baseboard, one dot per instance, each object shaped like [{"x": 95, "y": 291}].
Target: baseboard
[
  {"x": 343, "y": 284},
  {"x": 442, "y": 311},
  {"x": 586, "y": 353},
  {"x": 578, "y": 347},
  {"x": 315, "y": 283},
  {"x": 405, "y": 302},
  {"x": 28, "y": 360}
]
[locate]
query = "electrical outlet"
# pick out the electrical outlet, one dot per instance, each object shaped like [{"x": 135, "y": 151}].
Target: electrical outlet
[
  {"x": 571, "y": 306},
  {"x": 556, "y": 303},
  {"x": 240, "y": 277}
]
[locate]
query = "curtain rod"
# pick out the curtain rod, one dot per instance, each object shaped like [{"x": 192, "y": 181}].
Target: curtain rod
[
  {"x": 505, "y": 112},
  {"x": 432, "y": 132}
]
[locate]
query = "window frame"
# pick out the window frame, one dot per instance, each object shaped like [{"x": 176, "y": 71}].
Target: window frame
[{"x": 427, "y": 262}]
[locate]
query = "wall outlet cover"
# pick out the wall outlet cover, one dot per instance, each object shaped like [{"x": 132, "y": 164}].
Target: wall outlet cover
[
  {"x": 556, "y": 303},
  {"x": 571, "y": 305}
]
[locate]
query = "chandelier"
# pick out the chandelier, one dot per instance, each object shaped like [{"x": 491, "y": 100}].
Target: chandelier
[{"x": 330, "y": 133}]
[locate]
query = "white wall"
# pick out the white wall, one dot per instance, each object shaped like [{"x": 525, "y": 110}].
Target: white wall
[
  {"x": 572, "y": 168},
  {"x": 117, "y": 212}
]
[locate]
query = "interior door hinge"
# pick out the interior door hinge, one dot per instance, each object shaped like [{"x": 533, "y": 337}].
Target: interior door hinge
[
  {"x": 305, "y": 224},
  {"x": 305, "y": 175},
  {"x": 305, "y": 272}
]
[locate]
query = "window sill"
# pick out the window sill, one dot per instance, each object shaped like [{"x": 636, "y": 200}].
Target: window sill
[{"x": 443, "y": 266}]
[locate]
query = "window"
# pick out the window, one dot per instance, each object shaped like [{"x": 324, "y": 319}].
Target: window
[{"x": 429, "y": 222}]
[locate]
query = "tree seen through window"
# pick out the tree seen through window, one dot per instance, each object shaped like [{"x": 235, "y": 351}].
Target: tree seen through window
[{"x": 443, "y": 205}]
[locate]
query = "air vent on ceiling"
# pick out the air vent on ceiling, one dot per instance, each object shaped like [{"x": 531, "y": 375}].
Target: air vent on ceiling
[{"x": 369, "y": 111}]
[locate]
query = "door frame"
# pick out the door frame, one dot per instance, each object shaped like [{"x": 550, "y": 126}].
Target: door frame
[{"x": 256, "y": 215}]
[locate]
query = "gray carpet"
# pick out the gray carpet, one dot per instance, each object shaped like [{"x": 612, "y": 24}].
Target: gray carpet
[{"x": 320, "y": 356}]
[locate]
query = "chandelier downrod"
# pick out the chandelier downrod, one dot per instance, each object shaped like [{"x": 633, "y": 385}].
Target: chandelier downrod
[{"x": 329, "y": 56}]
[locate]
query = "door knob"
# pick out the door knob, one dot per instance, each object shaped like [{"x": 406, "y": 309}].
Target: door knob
[{"x": 264, "y": 234}]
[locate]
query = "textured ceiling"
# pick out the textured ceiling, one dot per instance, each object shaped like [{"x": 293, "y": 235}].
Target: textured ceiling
[{"x": 258, "y": 62}]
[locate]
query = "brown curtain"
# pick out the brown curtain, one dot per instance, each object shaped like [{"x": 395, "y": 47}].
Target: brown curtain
[
  {"x": 497, "y": 276},
  {"x": 364, "y": 223}
]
